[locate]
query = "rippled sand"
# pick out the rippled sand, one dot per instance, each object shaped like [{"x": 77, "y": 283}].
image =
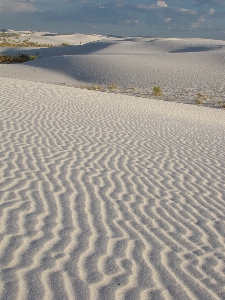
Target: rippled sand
[{"x": 106, "y": 196}]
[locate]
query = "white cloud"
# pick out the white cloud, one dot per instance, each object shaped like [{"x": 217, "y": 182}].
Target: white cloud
[
  {"x": 15, "y": 6},
  {"x": 161, "y": 4},
  {"x": 156, "y": 5},
  {"x": 194, "y": 25},
  {"x": 201, "y": 20},
  {"x": 198, "y": 23},
  {"x": 131, "y": 21},
  {"x": 187, "y": 11},
  {"x": 211, "y": 11}
]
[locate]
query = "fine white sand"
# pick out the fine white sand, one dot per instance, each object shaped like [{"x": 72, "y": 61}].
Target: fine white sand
[
  {"x": 182, "y": 68},
  {"x": 111, "y": 196},
  {"x": 55, "y": 38}
]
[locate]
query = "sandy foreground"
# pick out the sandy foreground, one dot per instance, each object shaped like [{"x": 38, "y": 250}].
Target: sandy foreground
[{"x": 106, "y": 195}]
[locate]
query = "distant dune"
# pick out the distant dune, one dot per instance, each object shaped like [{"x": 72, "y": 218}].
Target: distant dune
[{"x": 183, "y": 68}]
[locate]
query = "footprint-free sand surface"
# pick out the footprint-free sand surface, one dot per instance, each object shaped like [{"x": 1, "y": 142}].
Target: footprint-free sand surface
[
  {"x": 105, "y": 195},
  {"x": 183, "y": 68}
]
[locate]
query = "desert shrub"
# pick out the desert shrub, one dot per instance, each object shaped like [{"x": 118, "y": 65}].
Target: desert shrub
[
  {"x": 200, "y": 95},
  {"x": 200, "y": 98},
  {"x": 221, "y": 103},
  {"x": 5, "y": 58},
  {"x": 157, "y": 91},
  {"x": 21, "y": 58},
  {"x": 16, "y": 59}
]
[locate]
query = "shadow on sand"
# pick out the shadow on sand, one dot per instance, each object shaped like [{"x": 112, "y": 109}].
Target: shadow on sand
[
  {"x": 68, "y": 60},
  {"x": 196, "y": 49}
]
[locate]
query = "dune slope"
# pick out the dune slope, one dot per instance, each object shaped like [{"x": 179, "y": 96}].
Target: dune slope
[{"x": 183, "y": 68}]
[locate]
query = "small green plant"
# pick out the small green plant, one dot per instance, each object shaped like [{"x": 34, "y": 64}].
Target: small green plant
[
  {"x": 157, "y": 91},
  {"x": 112, "y": 87},
  {"x": 65, "y": 44},
  {"x": 32, "y": 57}
]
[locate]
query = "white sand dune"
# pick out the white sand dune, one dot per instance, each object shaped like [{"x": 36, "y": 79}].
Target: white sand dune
[
  {"x": 55, "y": 38},
  {"x": 181, "y": 67},
  {"x": 109, "y": 196}
]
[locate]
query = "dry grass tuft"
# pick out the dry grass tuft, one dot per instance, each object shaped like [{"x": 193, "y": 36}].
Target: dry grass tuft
[{"x": 200, "y": 98}]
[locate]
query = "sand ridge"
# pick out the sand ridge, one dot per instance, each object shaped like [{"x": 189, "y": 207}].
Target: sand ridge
[{"x": 106, "y": 196}]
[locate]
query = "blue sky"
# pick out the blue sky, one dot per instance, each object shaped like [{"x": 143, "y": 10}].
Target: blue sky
[{"x": 173, "y": 18}]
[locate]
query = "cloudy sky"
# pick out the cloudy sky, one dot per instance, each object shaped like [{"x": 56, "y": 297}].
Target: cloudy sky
[{"x": 174, "y": 18}]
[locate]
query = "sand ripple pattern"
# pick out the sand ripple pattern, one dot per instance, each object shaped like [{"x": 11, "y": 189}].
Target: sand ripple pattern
[{"x": 107, "y": 196}]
